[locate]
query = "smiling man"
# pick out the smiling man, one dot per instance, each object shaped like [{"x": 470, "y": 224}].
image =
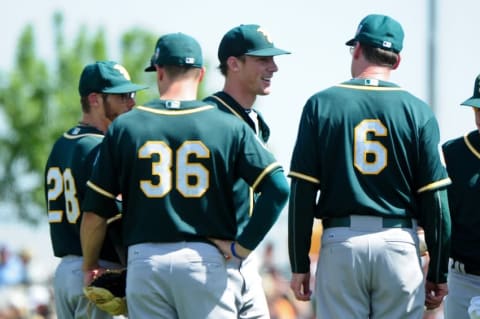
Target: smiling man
[{"x": 246, "y": 55}]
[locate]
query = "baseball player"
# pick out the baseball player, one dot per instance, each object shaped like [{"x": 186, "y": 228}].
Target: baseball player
[
  {"x": 106, "y": 91},
  {"x": 462, "y": 157},
  {"x": 176, "y": 172},
  {"x": 370, "y": 149},
  {"x": 246, "y": 54}
]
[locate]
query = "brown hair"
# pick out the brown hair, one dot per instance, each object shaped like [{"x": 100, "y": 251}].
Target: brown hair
[
  {"x": 223, "y": 67},
  {"x": 380, "y": 56},
  {"x": 179, "y": 71}
]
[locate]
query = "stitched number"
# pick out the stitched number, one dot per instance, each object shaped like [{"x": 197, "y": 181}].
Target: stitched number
[
  {"x": 370, "y": 156},
  {"x": 191, "y": 178},
  {"x": 161, "y": 169},
  {"x": 62, "y": 184}
]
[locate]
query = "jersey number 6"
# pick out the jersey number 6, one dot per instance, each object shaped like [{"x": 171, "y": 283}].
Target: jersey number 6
[{"x": 370, "y": 157}]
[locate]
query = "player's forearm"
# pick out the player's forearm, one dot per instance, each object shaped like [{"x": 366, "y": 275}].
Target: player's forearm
[
  {"x": 274, "y": 195},
  {"x": 300, "y": 222},
  {"x": 92, "y": 235},
  {"x": 437, "y": 226}
]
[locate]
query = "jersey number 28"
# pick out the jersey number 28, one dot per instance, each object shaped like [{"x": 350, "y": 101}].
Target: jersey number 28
[{"x": 62, "y": 184}]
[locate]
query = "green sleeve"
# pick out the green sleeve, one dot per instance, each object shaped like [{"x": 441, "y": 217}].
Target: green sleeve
[
  {"x": 273, "y": 197},
  {"x": 300, "y": 223},
  {"x": 435, "y": 220}
]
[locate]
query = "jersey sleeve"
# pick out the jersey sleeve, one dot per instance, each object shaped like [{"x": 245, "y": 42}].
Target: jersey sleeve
[
  {"x": 102, "y": 188},
  {"x": 305, "y": 158},
  {"x": 259, "y": 168},
  {"x": 305, "y": 174},
  {"x": 431, "y": 173},
  {"x": 254, "y": 161}
]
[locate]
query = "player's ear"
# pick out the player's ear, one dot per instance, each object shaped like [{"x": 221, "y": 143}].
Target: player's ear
[
  {"x": 93, "y": 98},
  {"x": 232, "y": 63},
  {"x": 395, "y": 66},
  {"x": 356, "y": 50},
  {"x": 160, "y": 72},
  {"x": 201, "y": 74}
]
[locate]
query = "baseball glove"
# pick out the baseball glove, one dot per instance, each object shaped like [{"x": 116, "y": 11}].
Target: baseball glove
[{"x": 107, "y": 292}]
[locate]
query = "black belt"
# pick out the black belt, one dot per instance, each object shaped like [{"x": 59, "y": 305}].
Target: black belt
[
  {"x": 387, "y": 222},
  {"x": 466, "y": 268}
]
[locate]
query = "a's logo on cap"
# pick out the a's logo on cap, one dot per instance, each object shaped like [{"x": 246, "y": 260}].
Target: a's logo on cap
[
  {"x": 265, "y": 34},
  {"x": 387, "y": 44},
  {"x": 122, "y": 70},
  {"x": 189, "y": 60}
]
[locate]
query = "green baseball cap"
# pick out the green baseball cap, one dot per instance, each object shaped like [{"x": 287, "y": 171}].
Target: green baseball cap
[
  {"x": 247, "y": 39},
  {"x": 379, "y": 31},
  {"x": 176, "y": 49},
  {"x": 474, "y": 100},
  {"x": 106, "y": 77}
]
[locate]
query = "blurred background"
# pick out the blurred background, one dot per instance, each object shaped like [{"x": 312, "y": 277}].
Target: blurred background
[{"x": 46, "y": 43}]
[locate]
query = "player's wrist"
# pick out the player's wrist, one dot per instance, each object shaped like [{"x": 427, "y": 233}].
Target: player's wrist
[
  {"x": 238, "y": 250},
  {"x": 90, "y": 268},
  {"x": 234, "y": 251}
]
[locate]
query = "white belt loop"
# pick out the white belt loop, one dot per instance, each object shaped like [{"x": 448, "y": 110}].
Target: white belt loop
[{"x": 458, "y": 266}]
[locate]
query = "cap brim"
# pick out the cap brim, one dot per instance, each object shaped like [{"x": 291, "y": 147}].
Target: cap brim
[
  {"x": 473, "y": 101},
  {"x": 267, "y": 52},
  {"x": 125, "y": 88},
  {"x": 150, "y": 68},
  {"x": 351, "y": 42}
]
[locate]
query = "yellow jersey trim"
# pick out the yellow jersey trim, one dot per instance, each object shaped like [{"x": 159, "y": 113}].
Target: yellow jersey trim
[
  {"x": 227, "y": 106},
  {"x": 470, "y": 146},
  {"x": 267, "y": 170},
  {"x": 72, "y": 137},
  {"x": 100, "y": 190},
  {"x": 176, "y": 111},
  {"x": 432, "y": 186},
  {"x": 304, "y": 177},
  {"x": 369, "y": 88}
]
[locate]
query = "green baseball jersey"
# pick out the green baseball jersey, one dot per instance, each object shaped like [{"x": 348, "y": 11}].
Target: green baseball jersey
[
  {"x": 462, "y": 157},
  {"x": 228, "y": 104},
  {"x": 66, "y": 173},
  {"x": 175, "y": 164},
  {"x": 371, "y": 147},
  {"x": 243, "y": 196}
]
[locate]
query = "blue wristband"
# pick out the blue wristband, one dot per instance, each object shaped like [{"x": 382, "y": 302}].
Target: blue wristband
[{"x": 232, "y": 249}]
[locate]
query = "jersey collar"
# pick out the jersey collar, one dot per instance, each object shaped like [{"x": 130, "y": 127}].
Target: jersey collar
[{"x": 370, "y": 82}]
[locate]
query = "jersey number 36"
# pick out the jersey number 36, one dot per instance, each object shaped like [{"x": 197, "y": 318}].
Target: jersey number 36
[{"x": 192, "y": 179}]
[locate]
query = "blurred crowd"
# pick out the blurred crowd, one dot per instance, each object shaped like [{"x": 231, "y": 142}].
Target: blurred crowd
[{"x": 24, "y": 296}]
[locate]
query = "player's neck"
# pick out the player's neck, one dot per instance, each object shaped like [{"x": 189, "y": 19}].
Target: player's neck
[
  {"x": 179, "y": 91},
  {"x": 374, "y": 72},
  {"x": 245, "y": 99},
  {"x": 99, "y": 124}
]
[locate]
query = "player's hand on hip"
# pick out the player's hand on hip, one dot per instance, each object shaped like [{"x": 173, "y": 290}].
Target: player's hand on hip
[
  {"x": 300, "y": 285},
  {"x": 434, "y": 294},
  {"x": 225, "y": 247}
]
